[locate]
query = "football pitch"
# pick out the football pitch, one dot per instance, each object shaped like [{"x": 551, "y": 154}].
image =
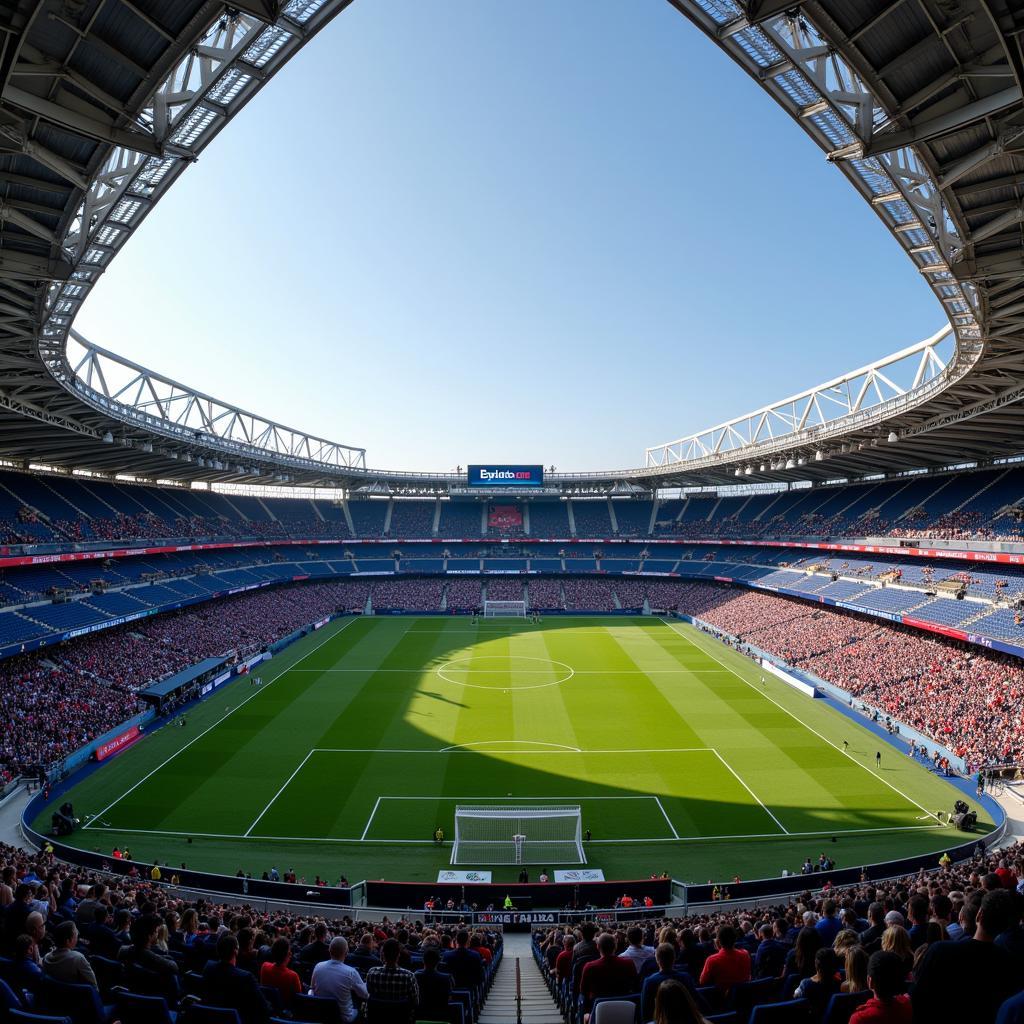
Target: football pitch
[{"x": 683, "y": 756}]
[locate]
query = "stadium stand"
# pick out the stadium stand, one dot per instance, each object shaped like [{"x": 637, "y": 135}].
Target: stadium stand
[
  {"x": 368, "y": 517},
  {"x": 460, "y": 519},
  {"x": 549, "y": 519},
  {"x": 591, "y": 517},
  {"x": 979, "y": 505},
  {"x": 162, "y": 959},
  {"x": 964, "y": 697},
  {"x": 412, "y": 518},
  {"x": 934, "y": 921}
]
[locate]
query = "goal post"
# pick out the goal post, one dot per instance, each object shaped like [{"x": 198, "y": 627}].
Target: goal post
[
  {"x": 504, "y": 609},
  {"x": 518, "y": 835}
]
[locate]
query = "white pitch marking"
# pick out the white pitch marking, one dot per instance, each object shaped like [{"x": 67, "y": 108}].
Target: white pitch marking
[
  {"x": 603, "y": 842},
  {"x": 931, "y": 814},
  {"x": 370, "y": 818},
  {"x": 661, "y": 808},
  {"x": 461, "y": 748},
  {"x": 302, "y": 764},
  {"x": 562, "y": 747},
  {"x": 421, "y": 669},
  {"x": 230, "y": 711},
  {"x": 751, "y": 792}
]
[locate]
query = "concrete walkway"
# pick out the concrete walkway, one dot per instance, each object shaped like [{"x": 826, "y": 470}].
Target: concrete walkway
[
  {"x": 10, "y": 818},
  {"x": 538, "y": 1006}
]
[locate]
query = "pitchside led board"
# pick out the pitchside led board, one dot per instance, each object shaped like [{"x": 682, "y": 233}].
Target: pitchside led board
[{"x": 506, "y": 476}]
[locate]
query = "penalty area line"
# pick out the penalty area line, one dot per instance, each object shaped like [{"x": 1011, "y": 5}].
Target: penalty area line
[
  {"x": 370, "y": 818},
  {"x": 736, "y": 776},
  {"x": 287, "y": 781},
  {"x": 675, "y": 834}
]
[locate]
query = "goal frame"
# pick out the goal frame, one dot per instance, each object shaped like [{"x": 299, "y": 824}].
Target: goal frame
[
  {"x": 516, "y": 848},
  {"x": 504, "y": 609}
]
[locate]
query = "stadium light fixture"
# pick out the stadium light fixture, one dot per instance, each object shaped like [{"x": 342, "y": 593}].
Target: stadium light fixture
[
  {"x": 801, "y": 461},
  {"x": 893, "y": 437},
  {"x": 748, "y": 470},
  {"x": 764, "y": 468},
  {"x": 147, "y": 447},
  {"x": 737, "y": 472},
  {"x": 790, "y": 464},
  {"x": 819, "y": 456},
  {"x": 108, "y": 438}
]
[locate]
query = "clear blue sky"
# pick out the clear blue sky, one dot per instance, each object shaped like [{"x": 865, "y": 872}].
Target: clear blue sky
[{"x": 557, "y": 231}]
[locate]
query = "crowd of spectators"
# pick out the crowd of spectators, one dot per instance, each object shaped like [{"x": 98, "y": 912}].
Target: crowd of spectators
[
  {"x": 409, "y": 595},
  {"x": 544, "y": 593},
  {"x": 58, "y": 698},
  {"x": 965, "y": 697},
  {"x": 508, "y": 589},
  {"x": 116, "y": 933},
  {"x": 588, "y": 594},
  {"x": 463, "y": 594},
  {"x": 941, "y": 946}
]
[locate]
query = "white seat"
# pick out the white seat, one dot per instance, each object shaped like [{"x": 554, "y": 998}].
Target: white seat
[{"x": 614, "y": 1011}]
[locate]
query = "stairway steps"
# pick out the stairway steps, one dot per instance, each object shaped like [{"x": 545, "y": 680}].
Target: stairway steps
[{"x": 536, "y": 1003}]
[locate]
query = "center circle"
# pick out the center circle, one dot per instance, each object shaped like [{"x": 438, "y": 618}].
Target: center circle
[{"x": 494, "y": 663}]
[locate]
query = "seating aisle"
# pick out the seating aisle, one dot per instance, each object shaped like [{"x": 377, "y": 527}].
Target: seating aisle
[{"x": 538, "y": 1006}]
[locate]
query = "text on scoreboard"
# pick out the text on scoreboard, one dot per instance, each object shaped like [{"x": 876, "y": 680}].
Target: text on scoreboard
[{"x": 505, "y": 476}]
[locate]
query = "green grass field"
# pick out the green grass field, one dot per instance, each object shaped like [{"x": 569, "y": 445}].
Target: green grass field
[{"x": 367, "y": 734}]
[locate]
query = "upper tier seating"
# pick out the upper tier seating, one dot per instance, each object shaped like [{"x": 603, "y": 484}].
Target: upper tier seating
[{"x": 987, "y": 504}]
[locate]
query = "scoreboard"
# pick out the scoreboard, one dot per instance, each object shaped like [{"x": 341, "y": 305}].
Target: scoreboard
[{"x": 505, "y": 476}]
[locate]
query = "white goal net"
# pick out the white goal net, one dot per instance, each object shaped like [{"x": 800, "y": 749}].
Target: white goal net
[
  {"x": 497, "y": 609},
  {"x": 518, "y": 835}
]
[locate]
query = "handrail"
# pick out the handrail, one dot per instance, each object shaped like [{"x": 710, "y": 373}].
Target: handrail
[{"x": 519, "y": 994}]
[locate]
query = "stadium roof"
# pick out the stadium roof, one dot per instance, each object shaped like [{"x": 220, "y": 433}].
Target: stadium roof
[{"x": 917, "y": 102}]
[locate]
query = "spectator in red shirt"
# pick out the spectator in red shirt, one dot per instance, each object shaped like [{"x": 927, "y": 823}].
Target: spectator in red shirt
[
  {"x": 608, "y": 975},
  {"x": 477, "y": 943},
  {"x": 729, "y": 966},
  {"x": 887, "y": 1005},
  {"x": 1006, "y": 876},
  {"x": 275, "y": 973},
  {"x": 563, "y": 962}
]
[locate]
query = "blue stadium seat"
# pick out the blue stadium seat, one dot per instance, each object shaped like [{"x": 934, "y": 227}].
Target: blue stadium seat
[
  {"x": 745, "y": 996},
  {"x": 24, "y": 1017},
  {"x": 841, "y": 1006},
  {"x": 315, "y": 1009},
  {"x": 131, "y": 1008},
  {"x": 9, "y": 999},
  {"x": 199, "y": 1013},
  {"x": 387, "y": 1011},
  {"x": 793, "y": 1011},
  {"x": 81, "y": 1003},
  {"x": 108, "y": 972}
]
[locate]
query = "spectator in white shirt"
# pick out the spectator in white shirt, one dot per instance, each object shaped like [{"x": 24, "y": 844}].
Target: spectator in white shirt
[
  {"x": 334, "y": 979},
  {"x": 636, "y": 950}
]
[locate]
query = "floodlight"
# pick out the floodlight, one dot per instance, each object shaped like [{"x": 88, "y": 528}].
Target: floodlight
[{"x": 893, "y": 437}]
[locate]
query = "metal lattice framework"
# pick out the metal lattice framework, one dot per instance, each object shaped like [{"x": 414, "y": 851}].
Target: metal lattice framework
[
  {"x": 918, "y": 103},
  {"x": 113, "y": 384},
  {"x": 828, "y": 410}
]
